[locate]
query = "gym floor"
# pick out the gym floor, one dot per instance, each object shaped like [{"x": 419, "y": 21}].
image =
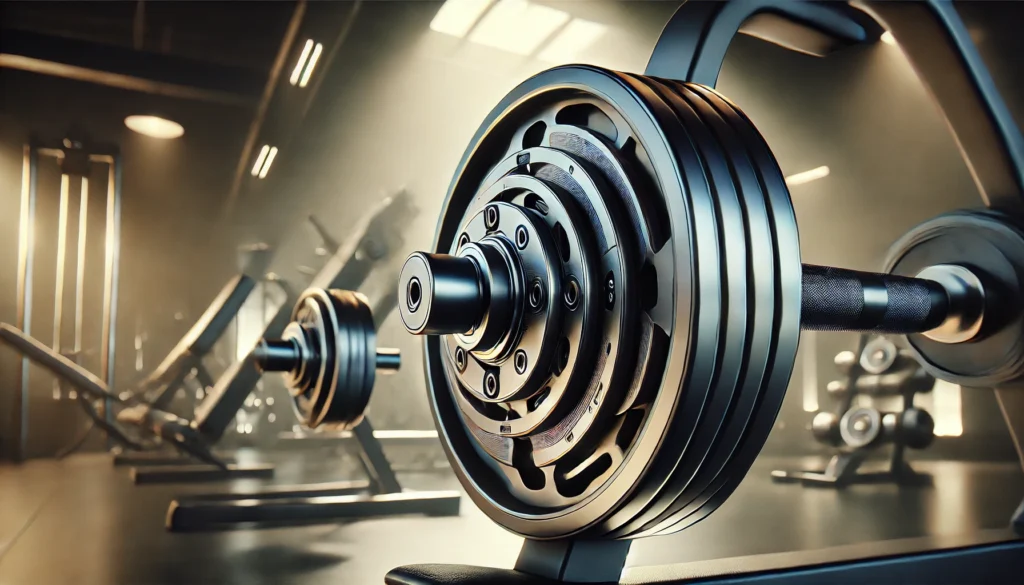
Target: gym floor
[{"x": 83, "y": 521}]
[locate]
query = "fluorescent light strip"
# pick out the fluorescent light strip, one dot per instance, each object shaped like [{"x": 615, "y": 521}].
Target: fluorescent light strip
[
  {"x": 312, "y": 63},
  {"x": 302, "y": 62},
  {"x": 807, "y": 176},
  {"x": 260, "y": 160},
  {"x": 457, "y": 17},
  {"x": 270, "y": 161}
]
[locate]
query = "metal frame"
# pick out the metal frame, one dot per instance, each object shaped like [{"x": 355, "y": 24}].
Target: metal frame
[
  {"x": 326, "y": 503},
  {"x": 26, "y": 237},
  {"x": 986, "y": 557}
]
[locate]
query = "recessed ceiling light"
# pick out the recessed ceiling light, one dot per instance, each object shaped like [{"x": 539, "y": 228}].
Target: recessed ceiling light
[
  {"x": 567, "y": 46},
  {"x": 155, "y": 127},
  {"x": 888, "y": 39},
  {"x": 456, "y": 17},
  {"x": 517, "y": 26}
]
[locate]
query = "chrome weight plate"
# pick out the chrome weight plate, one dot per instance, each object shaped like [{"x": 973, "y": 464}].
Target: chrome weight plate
[{"x": 660, "y": 206}]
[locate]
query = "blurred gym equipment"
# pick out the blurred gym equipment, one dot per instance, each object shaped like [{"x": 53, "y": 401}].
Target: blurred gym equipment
[
  {"x": 372, "y": 243},
  {"x": 329, "y": 357},
  {"x": 75, "y": 157},
  {"x": 615, "y": 295},
  {"x": 877, "y": 369},
  {"x": 186, "y": 359},
  {"x": 169, "y": 427}
]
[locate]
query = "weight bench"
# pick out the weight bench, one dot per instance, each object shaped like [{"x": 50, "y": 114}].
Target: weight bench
[{"x": 164, "y": 383}]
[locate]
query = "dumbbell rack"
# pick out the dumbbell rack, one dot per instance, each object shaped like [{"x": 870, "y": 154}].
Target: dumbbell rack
[{"x": 894, "y": 373}]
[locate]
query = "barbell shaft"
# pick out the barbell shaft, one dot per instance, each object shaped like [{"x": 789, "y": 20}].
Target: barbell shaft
[
  {"x": 282, "y": 355},
  {"x": 835, "y": 299}
]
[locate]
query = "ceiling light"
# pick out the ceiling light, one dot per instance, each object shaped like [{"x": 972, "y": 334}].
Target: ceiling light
[
  {"x": 517, "y": 26},
  {"x": 319, "y": 48},
  {"x": 887, "y": 38},
  {"x": 807, "y": 176},
  {"x": 578, "y": 36},
  {"x": 301, "y": 63},
  {"x": 270, "y": 161},
  {"x": 154, "y": 127},
  {"x": 457, "y": 17},
  {"x": 260, "y": 159}
]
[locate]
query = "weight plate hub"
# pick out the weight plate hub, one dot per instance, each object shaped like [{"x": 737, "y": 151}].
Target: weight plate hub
[
  {"x": 334, "y": 334},
  {"x": 630, "y": 394}
]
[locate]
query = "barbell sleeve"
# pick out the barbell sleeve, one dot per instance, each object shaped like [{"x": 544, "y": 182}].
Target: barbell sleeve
[{"x": 945, "y": 301}]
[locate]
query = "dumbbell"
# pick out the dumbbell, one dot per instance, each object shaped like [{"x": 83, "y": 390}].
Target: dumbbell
[
  {"x": 864, "y": 426},
  {"x": 884, "y": 371}
]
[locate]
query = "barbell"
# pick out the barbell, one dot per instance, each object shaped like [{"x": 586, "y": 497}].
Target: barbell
[
  {"x": 614, "y": 297},
  {"x": 329, "y": 357},
  {"x": 613, "y": 304}
]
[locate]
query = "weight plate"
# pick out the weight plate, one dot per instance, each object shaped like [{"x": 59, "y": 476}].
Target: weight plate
[
  {"x": 593, "y": 482},
  {"x": 859, "y": 427},
  {"x": 878, "y": 355},
  {"x": 704, "y": 455},
  {"x": 991, "y": 244},
  {"x": 333, "y": 382},
  {"x": 758, "y": 302},
  {"x": 682, "y": 230},
  {"x": 785, "y": 331}
]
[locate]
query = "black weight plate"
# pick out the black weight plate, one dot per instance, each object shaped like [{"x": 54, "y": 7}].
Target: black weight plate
[
  {"x": 689, "y": 259},
  {"x": 699, "y": 458},
  {"x": 786, "y": 328},
  {"x": 349, "y": 385},
  {"x": 338, "y": 348},
  {"x": 760, "y": 307},
  {"x": 363, "y": 316},
  {"x": 695, "y": 387}
]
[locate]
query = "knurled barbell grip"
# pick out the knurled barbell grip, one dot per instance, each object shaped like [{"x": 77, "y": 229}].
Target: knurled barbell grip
[{"x": 835, "y": 299}]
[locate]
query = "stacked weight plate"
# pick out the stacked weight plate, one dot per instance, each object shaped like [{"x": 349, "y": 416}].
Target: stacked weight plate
[{"x": 676, "y": 184}]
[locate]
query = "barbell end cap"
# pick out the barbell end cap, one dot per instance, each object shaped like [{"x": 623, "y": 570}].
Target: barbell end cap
[
  {"x": 440, "y": 294},
  {"x": 966, "y": 299},
  {"x": 277, "y": 355},
  {"x": 389, "y": 360}
]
